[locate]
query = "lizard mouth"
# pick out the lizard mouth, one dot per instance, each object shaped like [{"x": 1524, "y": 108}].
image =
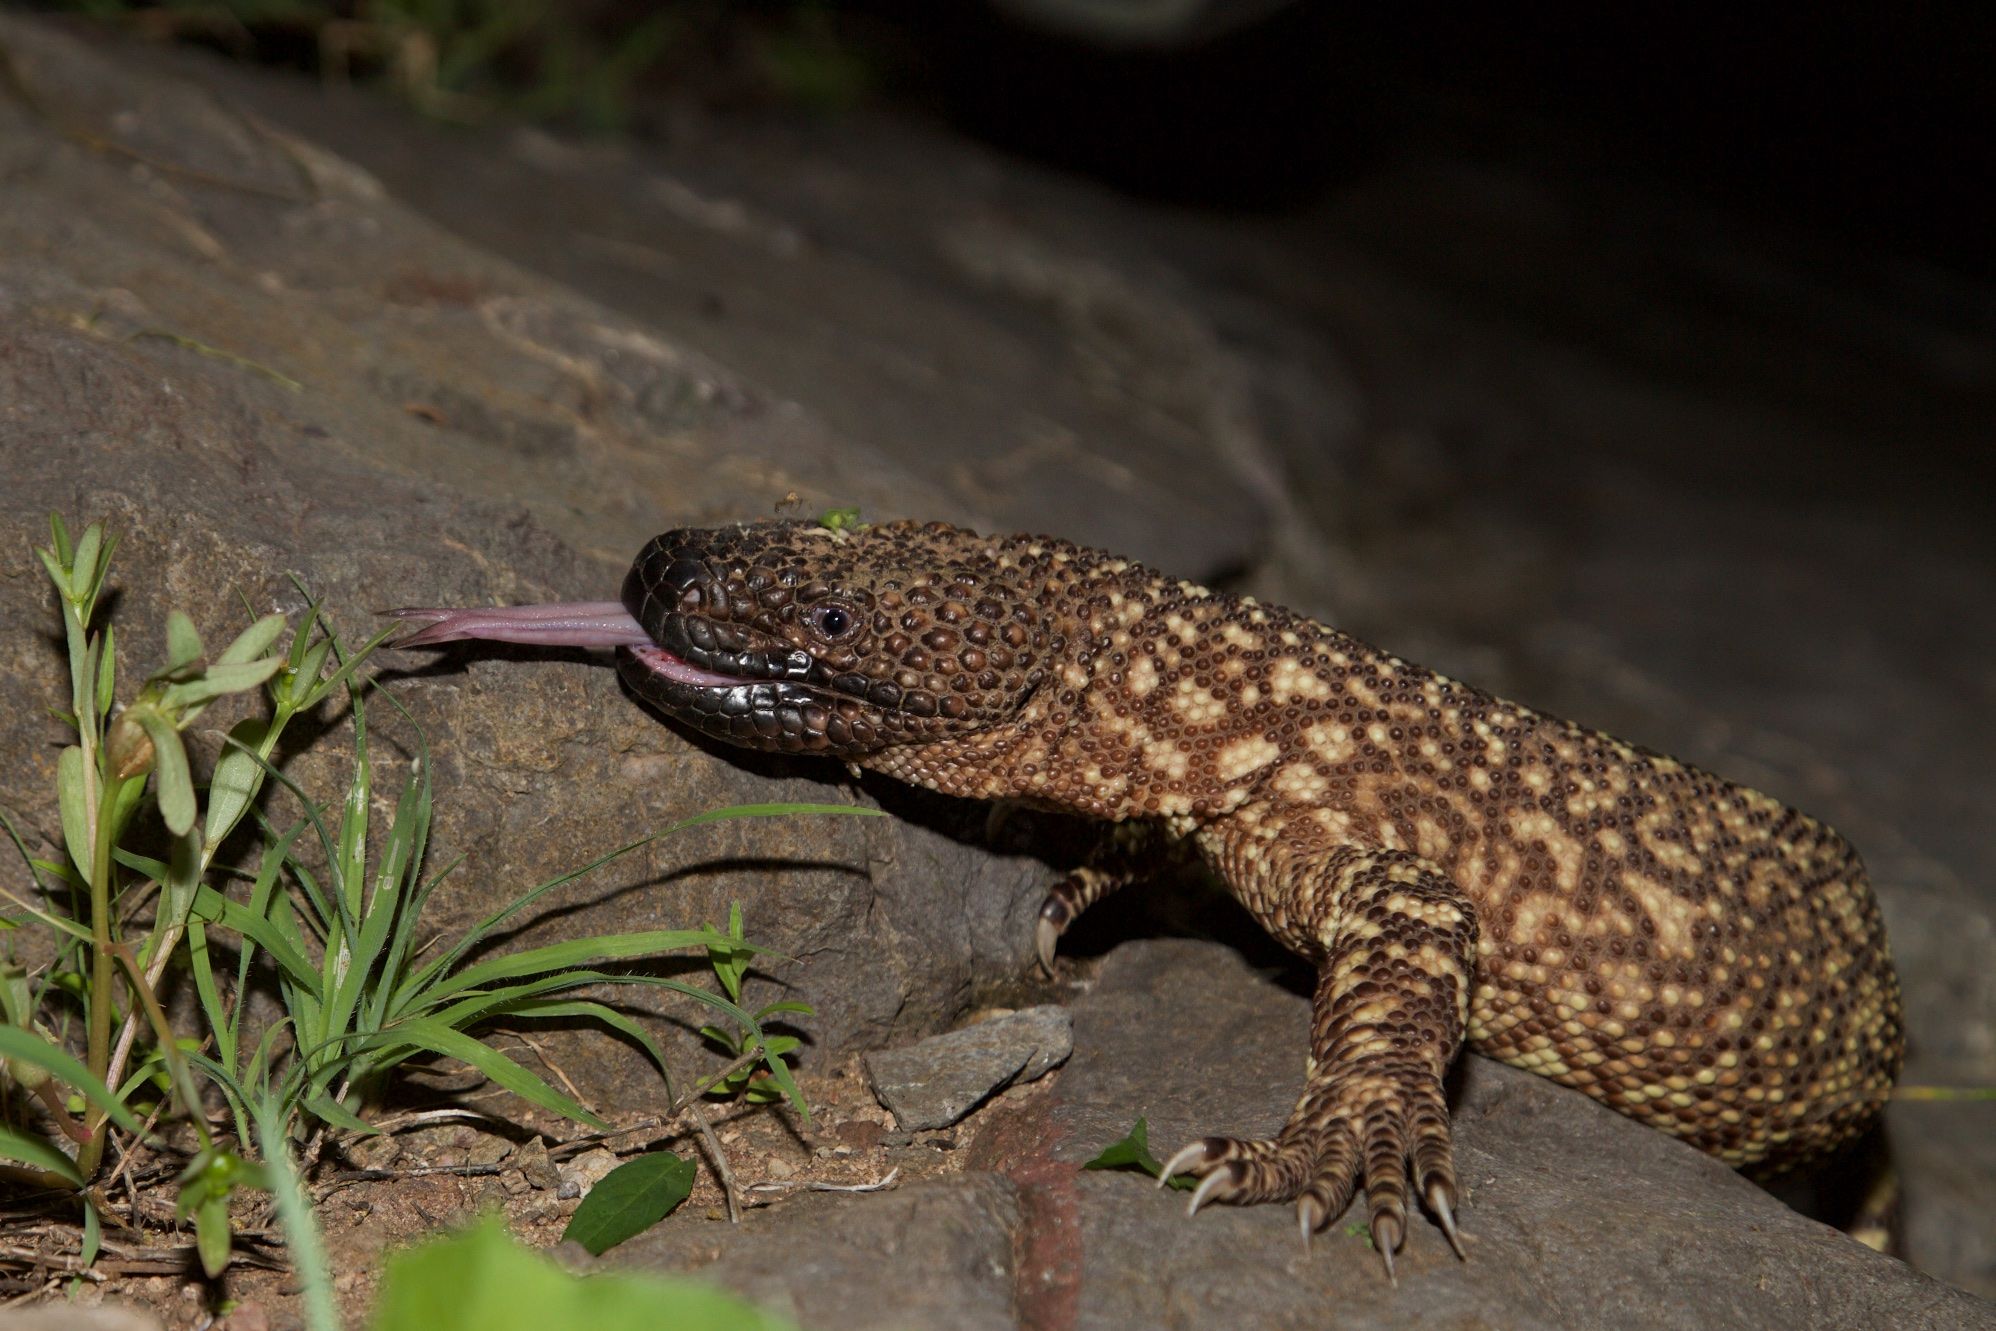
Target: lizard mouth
[
  {"x": 725, "y": 679},
  {"x": 718, "y": 678}
]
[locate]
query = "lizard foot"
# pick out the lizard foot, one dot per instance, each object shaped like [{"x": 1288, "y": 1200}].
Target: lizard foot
[
  {"x": 1340, "y": 1136},
  {"x": 1064, "y": 903}
]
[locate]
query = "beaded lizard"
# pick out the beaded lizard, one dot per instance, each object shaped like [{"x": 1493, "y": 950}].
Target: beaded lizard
[{"x": 1689, "y": 952}]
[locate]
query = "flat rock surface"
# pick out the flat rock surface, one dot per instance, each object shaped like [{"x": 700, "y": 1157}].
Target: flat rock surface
[
  {"x": 1573, "y": 1216},
  {"x": 932, "y": 1254},
  {"x": 934, "y": 1082}
]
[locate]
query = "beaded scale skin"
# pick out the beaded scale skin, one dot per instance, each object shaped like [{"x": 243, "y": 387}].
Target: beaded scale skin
[{"x": 1689, "y": 952}]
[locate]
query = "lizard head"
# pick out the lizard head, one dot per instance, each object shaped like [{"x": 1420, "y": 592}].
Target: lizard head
[{"x": 792, "y": 637}]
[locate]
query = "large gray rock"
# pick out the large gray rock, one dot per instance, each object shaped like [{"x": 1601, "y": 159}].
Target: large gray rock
[
  {"x": 1642, "y": 464},
  {"x": 1573, "y": 1216},
  {"x": 249, "y": 362}
]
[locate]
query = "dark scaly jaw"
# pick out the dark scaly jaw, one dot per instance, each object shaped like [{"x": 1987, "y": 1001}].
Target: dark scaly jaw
[{"x": 764, "y": 696}]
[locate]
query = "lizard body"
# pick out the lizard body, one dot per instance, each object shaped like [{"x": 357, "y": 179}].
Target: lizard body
[{"x": 1692, "y": 953}]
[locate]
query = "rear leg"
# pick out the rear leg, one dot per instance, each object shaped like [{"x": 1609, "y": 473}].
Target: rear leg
[{"x": 1391, "y": 1001}]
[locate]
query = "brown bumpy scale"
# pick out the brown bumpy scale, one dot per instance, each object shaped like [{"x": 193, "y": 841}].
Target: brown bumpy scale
[{"x": 1690, "y": 953}]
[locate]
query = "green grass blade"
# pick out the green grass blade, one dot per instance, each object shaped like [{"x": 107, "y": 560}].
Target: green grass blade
[
  {"x": 348, "y": 664},
  {"x": 385, "y": 903},
  {"x": 223, "y": 1077},
  {"x": 301, "y": 1230},
  {"x": 214, "y": 908},
  {"x": 41, "y": 1154},
  {"x": 494, "y": 920},
  {"x": 551, "y": 1008},
  {"x": 267, "y": 872},
  {"x": 562, "y": 956},
  {"x": 32, "y": 1049},
  {"x": 211, "y": 999},
  {"x": 441, "y": 1039},
  {"x": 329, "y": 1110},
  {"x": 307, "y": 804}
]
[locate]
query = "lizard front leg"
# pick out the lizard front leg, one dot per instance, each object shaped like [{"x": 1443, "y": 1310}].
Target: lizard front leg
[
  {"x": 1126, "y": 852},
  {"x": 1396, "y": 945}
]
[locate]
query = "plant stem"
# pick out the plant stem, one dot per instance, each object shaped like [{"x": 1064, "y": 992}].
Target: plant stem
[
  {"x": 167, "y": 938},
  {"x": 103, "y": 966},
  {"x": 183, "y": 1080}
]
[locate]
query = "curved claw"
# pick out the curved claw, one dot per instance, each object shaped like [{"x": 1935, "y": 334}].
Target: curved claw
[
  {"x": 1438, "y": 1202},
  {"x": 1310, "y": 1217},
  {"x": 1209, "y": 1185},
  {"x": 1387, "y": 1235},
  {"x": 1178, "y": 1164},
  {"x": 1045, "y": 934}
]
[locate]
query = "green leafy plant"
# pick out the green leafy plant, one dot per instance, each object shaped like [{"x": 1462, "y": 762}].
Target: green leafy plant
[
  {"x": 482, "y": 1280},
  {"x": 330, "y": 908},
  {"x": 748, "y": 1044}
]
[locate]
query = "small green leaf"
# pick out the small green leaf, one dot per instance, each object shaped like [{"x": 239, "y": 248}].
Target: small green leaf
[
  {"x": 59, "y": 537},
  {"x": 306, "y": 677},
  {"x": 238, "y": 776},
  {"x": 630, "y": 1199},
  {"x": 175, "y": 784},
  {"x": 83, "y": 567},
  {"x": 1133, "y": 1152},
  {"x": 183, "y": 642},
  {"x": 217, "y": 680},
  {"x": 253, "y": 641},
  {"x": 57, "y": 565},
  {"x": 74, "y": 802},
  {"x": 212, "y": 1238},
  {"x": 107, "y": 672}
]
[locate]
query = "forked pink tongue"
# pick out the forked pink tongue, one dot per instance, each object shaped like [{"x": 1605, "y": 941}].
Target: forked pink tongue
[{"x": 566, "y": 624}]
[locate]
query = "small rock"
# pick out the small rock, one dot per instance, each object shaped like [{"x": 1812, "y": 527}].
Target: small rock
[
  {"x": 779, "y": 1168},
  {"x": 377, "y": 1152},
  {"x": 488, "y": 1151},
  {"x": 531, "y": 1159},
  {"x": 860, "y": 1133},
  {"x": 935, "y": 1082},
  {"x": 584, "y": 1172}
]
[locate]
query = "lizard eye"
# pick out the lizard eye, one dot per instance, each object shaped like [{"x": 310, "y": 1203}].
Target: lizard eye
[{"x": 833, "y": 621}]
